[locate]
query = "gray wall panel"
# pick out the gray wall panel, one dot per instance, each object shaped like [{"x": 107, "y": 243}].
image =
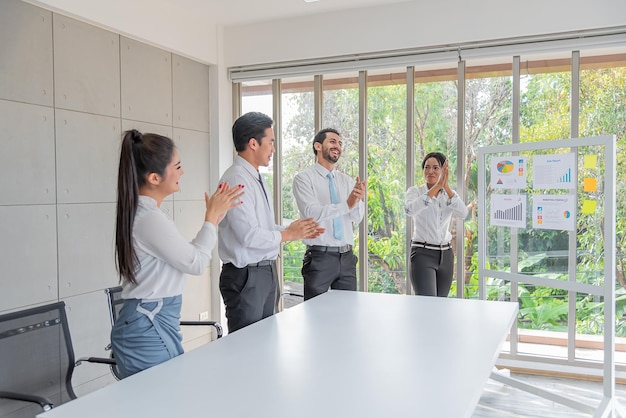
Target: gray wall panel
[
  {"x": 27, "y": 166},
  {"x": 86, "y": 248},
  {"x": 29, "y": 255},
  {"x": 146, "y": 82},
  {"x": 189, "y": 217},
  {"x": 88, "y": 148},
  {"x": 191, "y": 94},
  {"x": 26, "y": 46},
  {"x": 86, "y": 67},
  {"x": 61, "y": 130},
  {"x": 193, "y": 147},
  {"x": 145, "y": 127}
]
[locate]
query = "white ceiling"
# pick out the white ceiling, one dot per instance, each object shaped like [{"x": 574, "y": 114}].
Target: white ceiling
[{"x": 235, "y": 12}]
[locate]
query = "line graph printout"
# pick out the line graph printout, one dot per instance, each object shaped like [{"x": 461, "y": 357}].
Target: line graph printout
[
  {"x": 508, "y": 210},
  {"x": 508, "y": 172},
  {"x": 554, "y": 212},
  {"x": 554, "y": 171}
]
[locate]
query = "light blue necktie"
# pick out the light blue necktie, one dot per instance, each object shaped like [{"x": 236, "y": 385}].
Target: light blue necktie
[{"x": 334, "y": 198}]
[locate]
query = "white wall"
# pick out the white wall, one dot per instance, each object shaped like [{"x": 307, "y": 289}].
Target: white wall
[{"x": 410, "y": 25}]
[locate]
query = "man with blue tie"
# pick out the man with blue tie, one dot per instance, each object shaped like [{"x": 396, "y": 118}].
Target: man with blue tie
[
  {"x": 249, "y": 239},
  {"x": 335, "y": 201}
]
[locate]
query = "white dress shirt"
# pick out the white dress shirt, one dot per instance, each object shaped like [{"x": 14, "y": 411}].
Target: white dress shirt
[
  {"x": 431, "y": 216},
  {"x": 310, "y": 188},
  {"x": 248, "y": 233},
  {"x": 165, "y": 256}
]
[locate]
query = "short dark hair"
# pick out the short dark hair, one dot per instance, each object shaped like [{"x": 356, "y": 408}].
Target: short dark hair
[
  {"x": 321, "y": 136},
  {"x": 248, "y": 126},
  {"x": 437, "y": 155}
]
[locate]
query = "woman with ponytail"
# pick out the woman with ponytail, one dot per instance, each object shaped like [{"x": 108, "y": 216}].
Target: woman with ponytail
[{"x": 152, "y": 255}]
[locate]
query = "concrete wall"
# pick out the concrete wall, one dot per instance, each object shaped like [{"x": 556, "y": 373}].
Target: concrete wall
[{"x": 68, "y": 90}]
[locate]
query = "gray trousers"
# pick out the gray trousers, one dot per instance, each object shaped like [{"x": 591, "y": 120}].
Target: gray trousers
[
  {"x": 326, "y": 270},
  {"x": 250, "y": 294},
  {"x": 431, "y": 271}
]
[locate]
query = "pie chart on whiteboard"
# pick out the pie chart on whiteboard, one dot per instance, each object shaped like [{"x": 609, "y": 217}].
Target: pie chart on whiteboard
[{"x": 505, "y": 167}]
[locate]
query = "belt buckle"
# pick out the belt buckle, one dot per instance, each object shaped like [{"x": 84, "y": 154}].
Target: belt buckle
[{"x": 344, "y": 249}]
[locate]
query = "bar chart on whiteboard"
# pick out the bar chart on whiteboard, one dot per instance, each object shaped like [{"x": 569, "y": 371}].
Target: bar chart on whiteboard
[{"x": 508, "y": 210}]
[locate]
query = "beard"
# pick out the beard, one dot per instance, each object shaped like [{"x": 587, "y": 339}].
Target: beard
[{"x": 329, "y": 157}]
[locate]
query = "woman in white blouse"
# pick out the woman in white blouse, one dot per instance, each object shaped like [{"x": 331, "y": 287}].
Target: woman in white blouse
[
  {"x": 152, "y": 255},
  {"x": 431, "y": 206}
]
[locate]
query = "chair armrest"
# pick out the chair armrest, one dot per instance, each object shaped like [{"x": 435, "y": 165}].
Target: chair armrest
[
  {"x": 99, "y": 360},
  {"x": 45, "y": 403},
  {"x": 217, "y": 325}
]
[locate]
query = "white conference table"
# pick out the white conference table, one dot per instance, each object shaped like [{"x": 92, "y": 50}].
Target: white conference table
[{"x": 342, "y": 354}]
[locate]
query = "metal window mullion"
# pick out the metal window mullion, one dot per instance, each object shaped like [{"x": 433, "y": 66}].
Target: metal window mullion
[
  {"x": 410, "y": 167},
  {"x": 277, "y": 176},
  {"x": 318, "y": 102},
  {"x": 572, "y": 239},
  {"x": 363, "y": 226},
  {"x": 460, "y": 162},
  {"x": 610, "y": 200},
  {"x": 515, "y": 123}
]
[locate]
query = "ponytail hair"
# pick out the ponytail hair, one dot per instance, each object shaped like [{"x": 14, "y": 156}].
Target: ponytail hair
[{"x": 140, "y": 155}]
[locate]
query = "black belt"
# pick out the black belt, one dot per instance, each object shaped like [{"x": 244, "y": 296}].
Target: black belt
[
  {"x": 263, "y": 263},
  {"x": 325, "y": 249},
  {"x": 430, "y": 246}
]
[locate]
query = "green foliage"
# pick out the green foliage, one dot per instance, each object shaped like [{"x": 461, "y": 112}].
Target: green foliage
[{"x": 544, "y": 115}]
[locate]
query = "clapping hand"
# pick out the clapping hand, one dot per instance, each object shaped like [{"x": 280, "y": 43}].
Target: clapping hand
[
  {"x": 221, "y": 202},
  {"x": 357, "y": 193},
  {"x": 305, "y": 228}
]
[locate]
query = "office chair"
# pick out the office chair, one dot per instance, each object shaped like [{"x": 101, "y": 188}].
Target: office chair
[
  {"x": 36, "y": 361},
  {"x": 115, "y": 302}
]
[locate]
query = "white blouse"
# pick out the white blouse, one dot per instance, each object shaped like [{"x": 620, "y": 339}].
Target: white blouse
[
  {"x": 431, "y": 216},
  {"x": 165, "y": 256}
]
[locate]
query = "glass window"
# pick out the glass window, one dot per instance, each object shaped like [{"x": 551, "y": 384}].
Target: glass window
[
  {"x": 545, "y": 114},
  {"x": 386, "y": 182},
  {"x": 257, "y": 97},
  {"x": 602, "y": 112},
  {"x": 298, "y": 124}
]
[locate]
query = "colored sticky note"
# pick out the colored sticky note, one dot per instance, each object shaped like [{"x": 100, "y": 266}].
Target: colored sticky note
[
  {"x": 589, "y": 184},
  {"x": 591, "y": 161},
  {"x": 589, "y": 206}
]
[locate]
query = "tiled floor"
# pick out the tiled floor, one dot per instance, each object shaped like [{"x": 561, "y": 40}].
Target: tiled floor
[{"x": 503, "y": 401}]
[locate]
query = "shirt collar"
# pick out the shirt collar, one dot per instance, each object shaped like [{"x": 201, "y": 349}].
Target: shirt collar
[
  {"x": 147, "y": 201},
  {"x": 239, "y": 160},
  {"x": 322, "y": 170}
]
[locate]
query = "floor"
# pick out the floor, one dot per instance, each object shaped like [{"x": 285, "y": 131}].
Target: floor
[{"x": 504, "y": 401}]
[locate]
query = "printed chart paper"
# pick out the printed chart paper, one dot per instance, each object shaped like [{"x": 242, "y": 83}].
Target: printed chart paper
[
  {"x": 508, "y": 210},
  {"x": 508, "y": 172},
  {"x": 556, "y": 171},
  {"x": 554, "y": 212}
]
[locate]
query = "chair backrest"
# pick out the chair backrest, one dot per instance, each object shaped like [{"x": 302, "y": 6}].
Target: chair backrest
[
  {"x": 36, "y": 358},
  {"x": 116, "y": 302}
]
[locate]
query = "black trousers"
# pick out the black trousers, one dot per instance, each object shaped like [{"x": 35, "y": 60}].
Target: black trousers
[
  {"x": 323, "y": 270},
  {"x": 431, "y": 271},
  {"x": 250, "y": 294}
]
